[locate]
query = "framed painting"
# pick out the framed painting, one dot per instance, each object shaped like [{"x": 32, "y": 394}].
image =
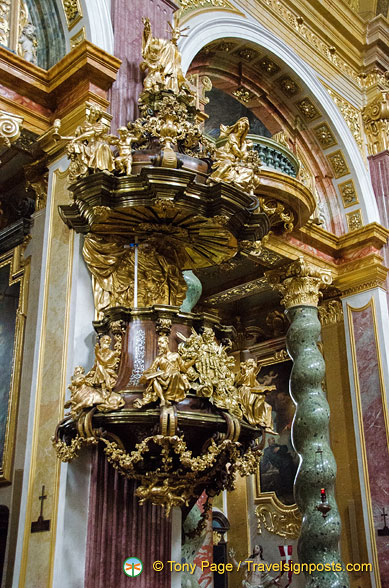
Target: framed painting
[
  {"x": 276, "y": 509},
  {"x": 14, "y": 275}
]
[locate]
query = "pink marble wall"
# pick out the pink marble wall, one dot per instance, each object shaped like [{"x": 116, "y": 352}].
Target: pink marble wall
[
  {"x": 379, "y": 171},
  {"x": 128, "y": 30},
  {"x": 118, "y": 527},
  {"x": 373, "y": 421}
]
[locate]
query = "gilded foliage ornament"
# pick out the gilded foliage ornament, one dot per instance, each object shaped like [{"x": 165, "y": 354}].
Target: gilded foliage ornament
[{"x": 300, "y": 283}]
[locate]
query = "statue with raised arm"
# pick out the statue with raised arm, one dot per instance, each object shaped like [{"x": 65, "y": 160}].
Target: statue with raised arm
[
  {"x": 252, "y": 396},
  {"x": 162, "y": 61}
]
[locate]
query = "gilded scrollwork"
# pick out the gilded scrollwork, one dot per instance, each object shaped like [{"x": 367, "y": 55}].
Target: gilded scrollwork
[
  {"x": 10, "y": 128},
  {"x": 235, "y": 161},
  {"x": 282, "y": 521}
]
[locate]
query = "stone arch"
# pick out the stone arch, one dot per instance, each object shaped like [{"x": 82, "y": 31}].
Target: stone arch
[{"x": 211, "y": 26}]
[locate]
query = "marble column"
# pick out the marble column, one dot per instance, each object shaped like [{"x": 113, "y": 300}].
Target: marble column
[
  {"x": 320, "y": 531},
  {"x": 128, "y": 31}
]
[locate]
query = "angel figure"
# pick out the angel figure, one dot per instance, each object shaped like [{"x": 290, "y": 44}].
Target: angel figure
[
  {"x": 104, "y": 370},
  {"x": 162, "y": 60},
  {"x": 83, "y": 395},
  {"x": 166, "y": 378},
  {"x": 252, "y": 396},
  {"x": 28, "y": 43},
  {"x": 236, "y": 162}
]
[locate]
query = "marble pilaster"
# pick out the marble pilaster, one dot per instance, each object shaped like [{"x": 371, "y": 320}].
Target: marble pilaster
[{"x": 367, "y": 345}]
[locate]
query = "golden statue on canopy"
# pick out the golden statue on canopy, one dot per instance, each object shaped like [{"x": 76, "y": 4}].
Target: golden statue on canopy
[
  {"x": 236, "y": 161},
  {"x": 162, "y": 61}
]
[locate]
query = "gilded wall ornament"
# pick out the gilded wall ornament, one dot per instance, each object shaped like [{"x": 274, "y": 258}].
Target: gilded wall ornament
[
  {"x": 325, "y": 136},
  {"x": 268, "y": 66},
  {"x": 277, "y": 213},
  {"x": 338, "y": 164},
  {"x": 78, "y": 38},
  {"x": 10, "y": 128},
  {"x": 243, "y": 95},
  {"x": 348, "y": 193},
  {"x": 330, "y": 312},
  {"x": 73, "y": 13},
  {"x": 284, "y": 522},
  {"x": 351, "y": 115},
  {"x": 288, "y": 86},
  {"x": 247, "y": 54},
  {"x": 300, "y": 283},
  {"x": 308, "y": 109},
  {"x": 376, "y": 121},
  {"x": 236, "y": 161},
  {"x": 354, "y": 220}
]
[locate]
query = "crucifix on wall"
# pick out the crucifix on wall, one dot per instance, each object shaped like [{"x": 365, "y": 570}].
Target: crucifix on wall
[
  {"x": 385, "y": 530},
  {"x": 41, "y": 524}
]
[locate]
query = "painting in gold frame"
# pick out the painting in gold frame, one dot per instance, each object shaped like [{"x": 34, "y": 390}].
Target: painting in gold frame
[
  {"x": 14, "y": 276},
  {"x": 275, "y": 507}
]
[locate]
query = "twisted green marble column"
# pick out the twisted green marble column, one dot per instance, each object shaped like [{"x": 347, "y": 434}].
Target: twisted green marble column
[{"x": 319, "y": 538}]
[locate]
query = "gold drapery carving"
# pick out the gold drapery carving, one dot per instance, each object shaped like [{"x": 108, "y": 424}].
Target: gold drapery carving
[{"x": 111, "y": 262}]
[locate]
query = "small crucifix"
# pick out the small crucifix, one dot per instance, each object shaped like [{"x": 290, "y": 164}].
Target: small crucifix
[
  {"x": 385, "y": 530},
  {"x": 41, "y": 524}
]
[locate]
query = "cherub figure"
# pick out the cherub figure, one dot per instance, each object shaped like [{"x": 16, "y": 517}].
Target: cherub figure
[
  {"x": 166, "y": 377},
  {"x": 236, "y": 162},
  {"x": 127, "y": 136},
  {"x": 252, "y": 396},
  {"x": 28, "y": 43},
  {"x": 104, "y": 370}
]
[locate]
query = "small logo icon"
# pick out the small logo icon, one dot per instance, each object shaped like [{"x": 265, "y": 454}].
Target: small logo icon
[{"x": 132, "y": 566}]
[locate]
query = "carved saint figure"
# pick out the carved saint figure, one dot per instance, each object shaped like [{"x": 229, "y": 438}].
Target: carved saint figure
[
  {"x": 162, "y": 60},
  {"x": 88, "y": 148},
  {"x": 166, "y": 377},
  {"x": 236, "y": 162},
  {"x": 252, "y": 396},
  {"x": 28, "y": 43},
  {"x": 103, "y": 372},
  {"x": 84, "y": 395},
  {"x": 256, "y": 570}
]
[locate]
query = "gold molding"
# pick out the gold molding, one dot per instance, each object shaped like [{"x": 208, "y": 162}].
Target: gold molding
[
  {"x": 78, "y": 38},
  {"x": 351, "y": 115},
  {"x": 188, "y": 7},
  {"x": 19, "y": 272},
  {"x": 350, "y": 310}
]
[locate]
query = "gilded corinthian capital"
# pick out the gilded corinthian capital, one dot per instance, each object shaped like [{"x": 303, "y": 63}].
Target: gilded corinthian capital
[
  {"x": 376, "y": 120},
  {"x": 10, "y": 128},
  {"x": 300, "y": 283}
]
